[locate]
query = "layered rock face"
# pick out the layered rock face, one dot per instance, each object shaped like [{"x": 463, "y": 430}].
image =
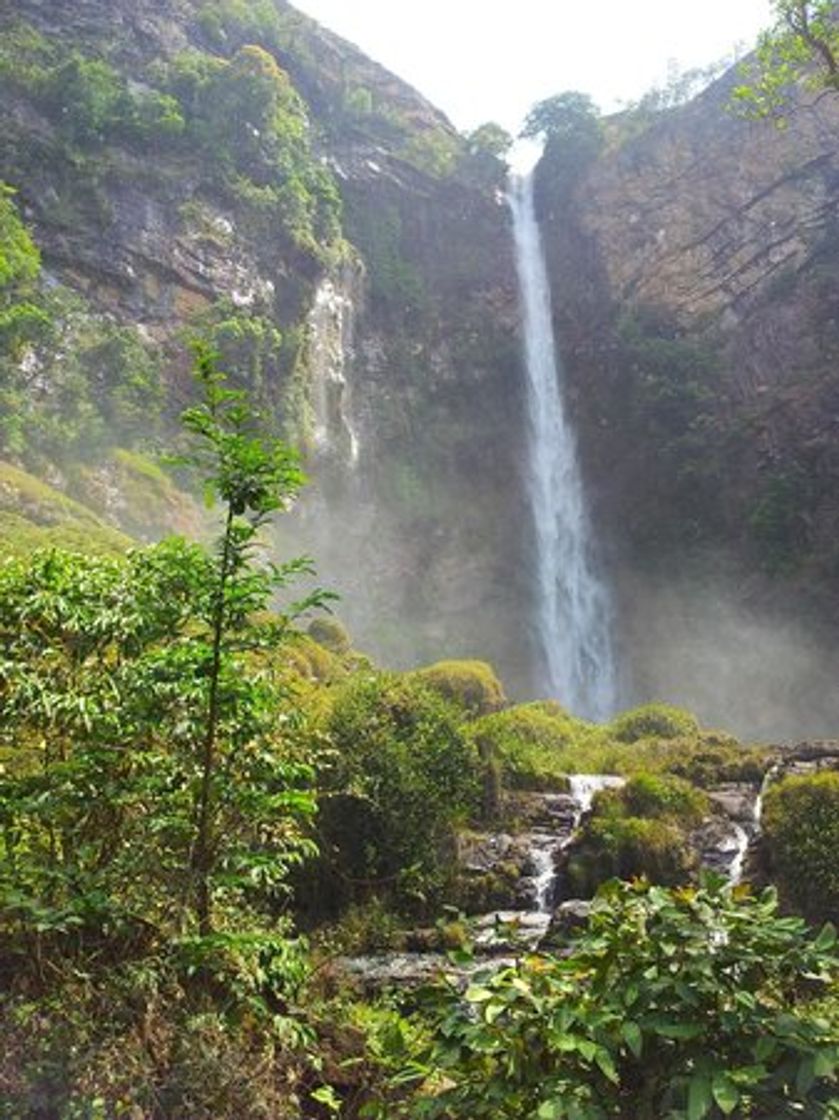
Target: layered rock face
[
  {"x": 387, "y": 346},
  {"x": 695, "y": 282}
]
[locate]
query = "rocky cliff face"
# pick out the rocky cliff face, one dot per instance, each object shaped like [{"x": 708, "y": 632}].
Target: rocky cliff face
[
  {"x": 695, "y": 284},
  {"x": 386, "y": 344}
]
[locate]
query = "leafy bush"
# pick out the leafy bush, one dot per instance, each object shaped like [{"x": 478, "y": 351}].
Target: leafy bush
[
  {"x": 686, "y": 1004},
  {"x": 472, "y": 685},
  {"x": 801, "y": 839},
  {"x": 527, "y": 741},
  {"x": 653, "y": 721},
  {"x": 153, "y": 793},
  {"x": 400, "y": 775}
]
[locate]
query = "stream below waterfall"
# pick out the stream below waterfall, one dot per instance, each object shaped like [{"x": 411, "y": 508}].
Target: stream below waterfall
[{"x": 722, "y": 845}]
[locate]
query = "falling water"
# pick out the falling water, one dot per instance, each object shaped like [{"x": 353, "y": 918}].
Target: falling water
[
  {"x": 330, "y": 346},
  {"x": 573, "y": 607}
]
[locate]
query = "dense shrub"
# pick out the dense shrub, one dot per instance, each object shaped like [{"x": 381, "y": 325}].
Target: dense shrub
[
  {"x": 801, "y": 838},
  {"x": 653, "y": 721},
  {"x": 526, "y": 741},
  {"x": 400, "y": 775},
  {"x": 472, "y": 685},
  {"x": 714, "y": 758}
]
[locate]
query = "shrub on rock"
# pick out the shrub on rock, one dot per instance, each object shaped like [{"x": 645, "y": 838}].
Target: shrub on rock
[
  {"x": 472, "y": 685},
  {"x": 654, "y": 721}
]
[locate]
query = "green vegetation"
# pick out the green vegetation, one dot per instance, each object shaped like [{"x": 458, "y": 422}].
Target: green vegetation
[
  {"x": 33, "y": 515},
  {"x": 690, "y": 1004},
  {"x": 401, "y": 776},
  {"x": 654, "y": 721},
  {"x": 331, "y": 634},
  {"x": 70, "y": 382},
  {"x": 573, "y": 133},
  {"x": 490, "y": 139},
  {"x": 639, "y": 830},
  {"x": 800, "y": 49},
  {"x": 21, "y": 319},
  {"x": 247, "y": 116},
  {"x": 537, "y": 745},
  {"x": 240, "y": 111},
  {"x": 779, "y": 521},
  {"x": 472, "y": 685},
  {"x": 801, "y": 827}
]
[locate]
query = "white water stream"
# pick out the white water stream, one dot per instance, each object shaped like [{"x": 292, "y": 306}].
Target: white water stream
[
  {"x": 330, "y": 325},
  {"x": 573, "y": 612}
]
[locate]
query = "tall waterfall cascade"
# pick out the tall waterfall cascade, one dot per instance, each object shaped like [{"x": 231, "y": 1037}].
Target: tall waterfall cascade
[{"x": 573, "y": 607}]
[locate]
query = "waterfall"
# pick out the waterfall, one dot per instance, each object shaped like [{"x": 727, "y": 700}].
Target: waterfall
[
  {"x": 330, "y": 324},
  {"x": 573, "y": 610}
]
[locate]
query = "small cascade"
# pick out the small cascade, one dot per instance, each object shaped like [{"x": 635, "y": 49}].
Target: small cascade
[
  {"x": 573, "y": 607},
  {"x": 542, "y": 856},
  {"x": 330, "y": 331},
  {"x": 544, "y": 845},
  {"x": 741, "y": 839},
  {"x": 768, "y": 778},
  {"x": 584, "y": 787}
]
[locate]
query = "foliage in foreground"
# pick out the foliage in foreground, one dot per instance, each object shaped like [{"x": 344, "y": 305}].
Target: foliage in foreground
[
  {"x": 150, "y": 791},
  {"x": 680, "y": 1004}
]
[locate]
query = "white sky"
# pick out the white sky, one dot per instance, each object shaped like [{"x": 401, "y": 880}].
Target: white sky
[{"x": 481, "y": 60}]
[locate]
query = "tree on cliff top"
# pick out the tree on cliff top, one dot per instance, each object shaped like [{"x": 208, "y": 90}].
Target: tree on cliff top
[{"x": 802, "y": 46}]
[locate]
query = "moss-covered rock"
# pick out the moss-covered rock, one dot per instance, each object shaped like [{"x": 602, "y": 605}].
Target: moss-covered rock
[
  {"x": 527, "y": 742},
  {"x": 625, "y": 848},
  {"x": 331, "y": 634},
  {"x": 472, "y": 685},
  {"x": 653, "y": 721},
  {"x": 642, "y": 828}
]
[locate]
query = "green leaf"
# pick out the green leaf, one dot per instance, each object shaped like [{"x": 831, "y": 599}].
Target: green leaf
[
  {"x": 806, "y": 1076},
  {"x": 607, "y": 1066},
  {"x": 699, "y": 1096},
  {"x": 726, "y": 1093},
  {"x": 633, "y": 1038},
  {"x": 826, "y": 939}
]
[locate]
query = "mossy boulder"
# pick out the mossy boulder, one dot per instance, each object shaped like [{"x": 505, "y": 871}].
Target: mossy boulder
[
  {"x": 643, "y": 828},
  {"x": 331, "y": 634},
  {"x": 653, "y": 721},
  {"x": 628, "y": 847},
  {"x": 472, "y": 685},
  {"x": 664, "y": 796},
  {"x": 310, "y": 660}
]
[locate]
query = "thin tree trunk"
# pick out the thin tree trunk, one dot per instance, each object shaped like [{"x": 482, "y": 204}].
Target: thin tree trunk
[{"x": 201, "y": 861}]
